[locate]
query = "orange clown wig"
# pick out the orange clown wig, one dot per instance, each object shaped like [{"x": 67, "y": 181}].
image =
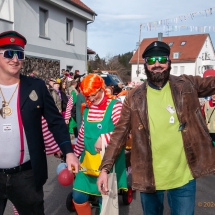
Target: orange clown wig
[{"x": 91, "y": 84}]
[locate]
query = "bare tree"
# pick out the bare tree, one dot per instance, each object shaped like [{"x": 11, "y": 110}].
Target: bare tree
[{"x": 111, "y": 63}]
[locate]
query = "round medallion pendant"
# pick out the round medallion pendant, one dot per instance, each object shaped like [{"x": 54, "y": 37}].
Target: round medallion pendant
[{"x": 7, "y": 111}]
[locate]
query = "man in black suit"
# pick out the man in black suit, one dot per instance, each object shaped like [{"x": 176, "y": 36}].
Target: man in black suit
[{"x": 23, "y": 101}]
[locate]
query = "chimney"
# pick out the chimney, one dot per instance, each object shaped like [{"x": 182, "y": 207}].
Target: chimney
[{"x": 160, "y": 36}]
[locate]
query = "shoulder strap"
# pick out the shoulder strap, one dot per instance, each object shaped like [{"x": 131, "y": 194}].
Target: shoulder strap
[{"x": 211, "y": 115}]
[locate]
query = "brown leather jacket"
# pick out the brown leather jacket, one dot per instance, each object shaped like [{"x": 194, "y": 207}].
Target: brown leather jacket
[{"x": 198, "y": 147}]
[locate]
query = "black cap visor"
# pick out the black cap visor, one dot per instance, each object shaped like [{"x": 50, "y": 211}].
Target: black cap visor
[{"x": 13, "y": 47}]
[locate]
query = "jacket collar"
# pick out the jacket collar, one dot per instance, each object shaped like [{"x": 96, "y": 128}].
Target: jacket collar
[
  {"x": 172, "y": 79},
  {"x": 156, "y": 87},
  {"x": 25, "y": 84},
  {"x": 175, "y": 79}
]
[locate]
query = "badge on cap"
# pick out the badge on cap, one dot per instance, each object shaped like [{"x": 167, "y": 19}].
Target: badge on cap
[
  {"x": 33, "y": 95},
  {"x": 12, "y": 40}
]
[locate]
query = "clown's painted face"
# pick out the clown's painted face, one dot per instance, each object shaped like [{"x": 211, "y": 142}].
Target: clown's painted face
[{"x": 96, "y": 97}]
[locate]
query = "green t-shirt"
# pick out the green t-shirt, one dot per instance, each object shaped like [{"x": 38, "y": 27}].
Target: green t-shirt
[{"x": 169, "y": 161}]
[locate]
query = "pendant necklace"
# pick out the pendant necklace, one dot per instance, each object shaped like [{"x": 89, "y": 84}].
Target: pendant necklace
[{"x": 6, "y": 110}]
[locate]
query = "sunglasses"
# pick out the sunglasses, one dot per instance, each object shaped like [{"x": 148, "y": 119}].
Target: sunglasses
[
  {"x": 9, "y": 54},
  {"x": 152, "y": 60}
]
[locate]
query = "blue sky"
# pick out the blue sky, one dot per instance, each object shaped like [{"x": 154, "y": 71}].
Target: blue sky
[{"x": 117, "y": 26}]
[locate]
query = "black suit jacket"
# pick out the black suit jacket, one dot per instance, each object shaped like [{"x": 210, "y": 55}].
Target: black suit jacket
[{"x": 31, "y": 112}]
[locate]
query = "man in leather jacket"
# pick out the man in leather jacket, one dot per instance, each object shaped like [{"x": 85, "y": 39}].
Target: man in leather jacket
[{"x": 171, "y": 145}]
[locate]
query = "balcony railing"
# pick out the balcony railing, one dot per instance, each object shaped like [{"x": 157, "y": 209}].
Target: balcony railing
[{"x": 210, "y": 62}]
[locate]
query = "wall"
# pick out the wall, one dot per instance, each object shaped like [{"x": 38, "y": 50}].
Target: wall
[
  {"x": 41, "y": 68},
  {"x": 134, "y": 69},
  {"x": 189, "y": 68},
  {"x": 6, "y": 15},
  {"x": 201, "y": 61}
]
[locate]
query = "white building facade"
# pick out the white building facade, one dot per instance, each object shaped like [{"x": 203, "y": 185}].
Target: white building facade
[{"x": 54, "y": 29}]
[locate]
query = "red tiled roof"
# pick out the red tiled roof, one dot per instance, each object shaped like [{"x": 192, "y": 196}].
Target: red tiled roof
[
  {"x": 81, "y": 5},
  {"x": 188, "y": 52}
]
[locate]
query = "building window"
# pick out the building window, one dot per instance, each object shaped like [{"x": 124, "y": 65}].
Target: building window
[
  {"x": 70, "y": 68},
  {"x": 207, "y": 56},
  {"x": 183, "y": 43},
  {"x": 69, "y": 31},
  {"x": 6, "y": 10},
  {"x": 43, "y": 22},
  {"x": 171, "y": 44},
  {"x": 175, "y": 55},
  {"x": 181, "y": 70},
  {"x": 175, "y": 69}
]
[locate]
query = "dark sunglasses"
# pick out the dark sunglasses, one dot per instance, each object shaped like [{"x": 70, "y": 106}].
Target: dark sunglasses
[
  {"x": 152, "y": 60},
  {"x": 9, "y": 54}
]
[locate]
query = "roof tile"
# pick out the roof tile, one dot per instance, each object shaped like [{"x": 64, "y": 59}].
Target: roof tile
[{"x": 82, "y": 5}]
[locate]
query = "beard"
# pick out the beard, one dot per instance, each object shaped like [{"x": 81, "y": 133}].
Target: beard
[{"x": 158, "y": 78}]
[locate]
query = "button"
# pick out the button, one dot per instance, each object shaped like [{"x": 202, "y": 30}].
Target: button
[{"x": 38, "y": 106}]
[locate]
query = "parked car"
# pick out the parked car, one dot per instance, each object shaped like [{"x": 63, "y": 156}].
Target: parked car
[{"x": 111, "y": 79}]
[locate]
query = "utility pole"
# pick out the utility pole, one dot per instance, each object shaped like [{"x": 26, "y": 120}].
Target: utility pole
[{"x": 138, "y": 53}]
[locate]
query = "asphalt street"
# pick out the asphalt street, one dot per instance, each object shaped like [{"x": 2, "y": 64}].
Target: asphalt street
[{"x": 56, "y": 194}]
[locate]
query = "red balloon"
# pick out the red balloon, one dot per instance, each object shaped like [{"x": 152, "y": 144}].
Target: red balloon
[{"x": 65, "y": 177}]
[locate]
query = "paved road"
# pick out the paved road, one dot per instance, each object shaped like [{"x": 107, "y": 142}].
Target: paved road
[{"x": 55, "y": 197}]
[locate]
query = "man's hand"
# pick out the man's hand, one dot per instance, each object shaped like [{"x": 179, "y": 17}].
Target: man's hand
[
  {"x": 98, "y": 145},
  {"x": 72, "y": 163},
  {"x": 102, "y": 182},
  {"x": 67, "y": 121}
]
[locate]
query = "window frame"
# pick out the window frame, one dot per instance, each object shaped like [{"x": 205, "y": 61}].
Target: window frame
[
  {"x": 182, "y": 68},
  {"x": 43, "y": 23},
  {"x": 70, "y": 68},
  {"x": 183, "y": 43},
  {"x": 175, "y": 55},
  {"x": 175, "y": 69},
  {"x": 7, "y": 11},
  {"x": 69, "y": 31}
]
